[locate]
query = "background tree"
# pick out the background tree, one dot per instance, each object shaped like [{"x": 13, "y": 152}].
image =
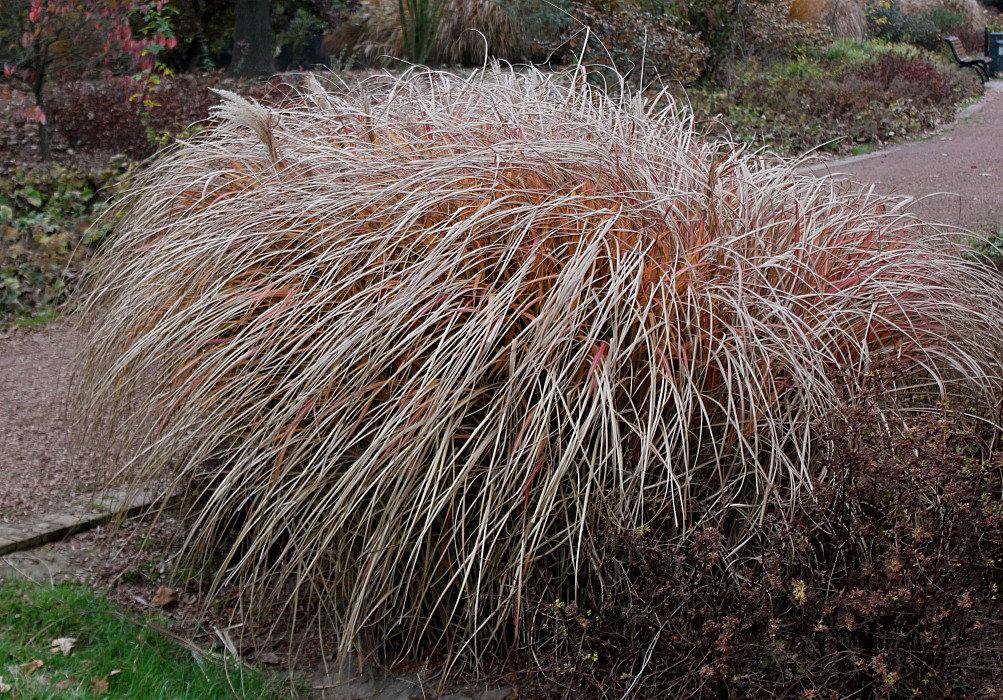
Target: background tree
[
  {"x": 42, "y": 39},
  {"x": 253, "y": 40},
  {"x": 205, "y": 30},
  {"x": 205, "y": 33}
]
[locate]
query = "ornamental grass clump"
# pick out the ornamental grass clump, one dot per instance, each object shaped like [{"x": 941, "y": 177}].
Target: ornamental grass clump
[{"x": 409, "y": 347}]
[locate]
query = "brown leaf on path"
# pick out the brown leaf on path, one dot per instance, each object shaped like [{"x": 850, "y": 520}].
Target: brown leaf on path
[
  {"x": 31, "y": 666},
  {"x": 164, "y": 596}
]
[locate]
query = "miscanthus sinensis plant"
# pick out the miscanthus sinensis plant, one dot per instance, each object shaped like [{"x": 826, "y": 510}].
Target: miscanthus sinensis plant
[{"x": 411, "y": 345}]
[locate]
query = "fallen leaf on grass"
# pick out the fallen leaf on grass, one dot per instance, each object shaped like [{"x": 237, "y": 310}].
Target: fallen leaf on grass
[
  {"x": 164, "y": 596},
  {"x": 4, "y": 688},
  {"x": 100, "y": 685},
  {"x": 31, "y": 666},
  {"x": 63, "y": 644}
]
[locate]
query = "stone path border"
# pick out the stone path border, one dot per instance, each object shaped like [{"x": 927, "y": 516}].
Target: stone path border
[{"x": 109, "y": 505}]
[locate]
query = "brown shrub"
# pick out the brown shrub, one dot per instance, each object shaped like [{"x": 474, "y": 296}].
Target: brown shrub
[
  {"x": 886, "y": 583},
  {"x": 624, "y": 37},
  {"x": 107, "y": 114},
  {"x": 911, "y": 78},
  {"x": 844, "y": 18}
]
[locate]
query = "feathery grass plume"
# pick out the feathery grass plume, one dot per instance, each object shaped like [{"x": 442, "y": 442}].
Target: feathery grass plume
[
  {"x": 247, "y": 113},
  {"x": 409, "y": 369}
]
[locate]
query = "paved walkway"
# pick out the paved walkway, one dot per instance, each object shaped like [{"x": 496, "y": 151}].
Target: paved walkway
[
  {"x": 53, "y": 563},
  {"x": 956, "y": 175}
]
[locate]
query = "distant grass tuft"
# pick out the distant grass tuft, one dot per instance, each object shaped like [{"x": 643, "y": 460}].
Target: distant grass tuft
[
  {"x": 462, "y": 31},
  {"x": 415, "y": 345}
]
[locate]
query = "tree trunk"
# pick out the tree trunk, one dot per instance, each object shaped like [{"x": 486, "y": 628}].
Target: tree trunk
[
  {"x": 38, "y": 88},
  {"x": 44, "y": 150},
  {"x": 252, "y": 39}
]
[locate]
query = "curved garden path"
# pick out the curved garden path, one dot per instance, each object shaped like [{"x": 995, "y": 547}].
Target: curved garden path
[
  {"x": 40, "y": 469},
  {"x": 954, "y": 174}
]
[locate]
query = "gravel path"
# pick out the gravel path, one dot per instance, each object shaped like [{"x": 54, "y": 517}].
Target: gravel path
[
  {"x": 39, "y": 470},
  {"x": 956, "y": 174}
]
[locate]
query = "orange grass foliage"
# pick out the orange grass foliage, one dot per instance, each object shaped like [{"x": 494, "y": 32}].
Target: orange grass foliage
[{"x": 412, "y": 346}]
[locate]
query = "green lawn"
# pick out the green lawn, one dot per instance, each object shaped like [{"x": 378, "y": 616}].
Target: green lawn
[{"x": 112, "y": 657}]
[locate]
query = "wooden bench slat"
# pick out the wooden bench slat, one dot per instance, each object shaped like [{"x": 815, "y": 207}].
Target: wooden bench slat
[{"x": 979, "y": 63}]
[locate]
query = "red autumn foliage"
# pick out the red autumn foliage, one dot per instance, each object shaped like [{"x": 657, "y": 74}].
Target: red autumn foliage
[{"x": 44, "y": 40}]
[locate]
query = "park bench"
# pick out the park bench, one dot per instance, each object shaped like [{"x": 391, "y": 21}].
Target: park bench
[{"x": 979, "y": 63}]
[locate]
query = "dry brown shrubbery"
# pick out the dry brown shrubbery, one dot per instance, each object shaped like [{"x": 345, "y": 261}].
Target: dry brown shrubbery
[
  {"x": 844, "y": 18},
  {"x": 971, "y": 11},
  {"x": 884, "y": 584},
  {"x": 414, "y": 348}
]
